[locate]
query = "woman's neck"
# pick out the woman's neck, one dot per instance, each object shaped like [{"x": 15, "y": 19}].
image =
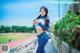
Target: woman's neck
[{"x": 42, "y": 17}]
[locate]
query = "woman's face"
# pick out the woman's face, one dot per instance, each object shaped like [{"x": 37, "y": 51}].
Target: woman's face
[{"x": 42, "y": 12}]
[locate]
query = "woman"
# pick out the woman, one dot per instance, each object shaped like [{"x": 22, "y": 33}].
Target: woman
[{"x": 41, "y": 24}]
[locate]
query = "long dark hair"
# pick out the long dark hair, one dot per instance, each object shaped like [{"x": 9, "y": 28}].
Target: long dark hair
[{"x": 46, "y": 15}]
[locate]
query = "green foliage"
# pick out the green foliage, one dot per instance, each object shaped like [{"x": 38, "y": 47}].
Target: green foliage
[
  {"x": 68, "y": 29},
  {"x": 6, "y": 29}
]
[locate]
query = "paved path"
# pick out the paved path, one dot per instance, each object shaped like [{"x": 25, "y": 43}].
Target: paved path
[{"x": 50, "y": 47}]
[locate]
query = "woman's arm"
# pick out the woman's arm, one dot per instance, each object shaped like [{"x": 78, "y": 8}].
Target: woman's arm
[
  {"x": 45, "y": 27},
  {"x": 34, "y": 23}
]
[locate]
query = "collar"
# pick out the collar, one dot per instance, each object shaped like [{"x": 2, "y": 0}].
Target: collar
[{"x": 42, "y": 17}]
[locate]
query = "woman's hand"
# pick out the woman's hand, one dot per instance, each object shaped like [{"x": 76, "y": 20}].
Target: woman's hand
[{"x": 35, "y": 21}]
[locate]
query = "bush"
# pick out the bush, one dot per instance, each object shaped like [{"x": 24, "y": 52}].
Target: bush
[{"x": 68, "y": 29}]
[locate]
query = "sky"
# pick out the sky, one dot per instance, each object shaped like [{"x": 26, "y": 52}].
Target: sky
[{"x": 23, "y": 12}]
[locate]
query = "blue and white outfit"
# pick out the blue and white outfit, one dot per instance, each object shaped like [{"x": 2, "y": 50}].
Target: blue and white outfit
[{"x": 43, "y": 37}]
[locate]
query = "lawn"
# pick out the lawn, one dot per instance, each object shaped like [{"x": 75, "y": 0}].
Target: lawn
[{"x": 7, "y": 37}]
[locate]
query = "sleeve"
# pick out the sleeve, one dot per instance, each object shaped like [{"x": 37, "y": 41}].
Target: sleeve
[{"x": 43, "y": 26}]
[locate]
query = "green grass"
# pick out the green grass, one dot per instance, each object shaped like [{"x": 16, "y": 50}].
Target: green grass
[{"x": 5, "y": 37}]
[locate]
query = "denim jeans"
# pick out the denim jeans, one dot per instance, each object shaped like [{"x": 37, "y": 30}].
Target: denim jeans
[{"x": 42, "y": 41}]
